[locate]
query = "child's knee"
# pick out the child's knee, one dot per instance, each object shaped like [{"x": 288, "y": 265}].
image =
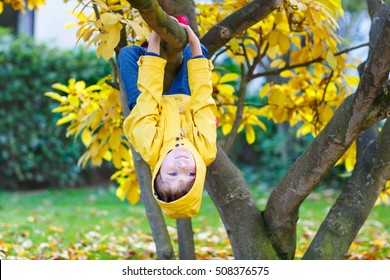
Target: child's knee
[{"x": 129, "y": 53}]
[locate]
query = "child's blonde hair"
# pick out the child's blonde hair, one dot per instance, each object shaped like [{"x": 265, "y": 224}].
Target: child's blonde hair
[{"x": 167, "y": 193}]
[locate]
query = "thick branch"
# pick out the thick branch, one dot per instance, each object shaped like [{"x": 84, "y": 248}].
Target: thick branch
[
  {"x": 161, "y": 22},
  {"x": 364, "y": 108},
  {"x": 241, "y": 217},
  {"x": 354, "y": 204},
  {"x": 237, "y": 22},
  {"x": 185, "y": 236},
  {"x": 153, "y": 211},
  {"x": 239, "y": 113}
]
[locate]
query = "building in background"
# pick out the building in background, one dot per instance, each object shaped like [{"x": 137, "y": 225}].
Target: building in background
[{"x": 47, "y": 24}]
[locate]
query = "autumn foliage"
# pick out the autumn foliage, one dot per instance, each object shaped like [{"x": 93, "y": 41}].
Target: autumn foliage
[{"x": 297, "y": 43}]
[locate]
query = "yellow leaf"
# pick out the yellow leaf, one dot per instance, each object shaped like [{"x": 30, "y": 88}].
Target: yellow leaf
[
  {"x": 67, "y": 118},
  {"x": 296, "y": 40},
  {"x": 353, "y": 81},
  {"x": 225, "y": 88},
  {"x": 304, "y": 129},
  {"x": 117, "y": 159},
  {"x": 86, "y": 137},
  {"x": 317, "y": 49},
  {"x": 84, "y": 159},
  {"x": 326, "y": 114},
  {"x": 74, "y": 100},
  {"x": 279, "y": 114},
  {"x": 56, "y": 229},
  {"x": 229, "y": 77},
  {"x": 226, "y": 128},
  {"x": 55, "y": 96},
  {"x": 115, "y": 139},
  {"x": 350, "y": 163},
  {"x": 284, "y": 43},
  {"x": 330, "y": 58},
  {"x": 272, "y": 52},
  {"x": 60, "y": 87},
  {"x": 215, "y": 77},
  {"x": 134, "y": 194},
  {"x": 250, "y": 134},
  {"x": 107, "y": 155},
  {"x": 234, "y": 45},
  {"x": 101, "y": 4},
  {"x": 140, "y": 31},
  {"x": 122, "y": 190},
  {"x": 62, "y": 109},
  {"x": 108, "y": 19},
  {"x": 278, "y": 98},
  {"x": 276, "y": 63},
  {"x": 97, "y": 159},
  {"x": 273, "y": 38},
  {"x": 126, "y": 153},
  {"x": 264, "y": 90},
  {"x": 287, "y": 74}
]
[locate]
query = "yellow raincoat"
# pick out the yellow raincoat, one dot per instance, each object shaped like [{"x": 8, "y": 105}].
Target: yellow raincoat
[{"x": 160, "y": 122}]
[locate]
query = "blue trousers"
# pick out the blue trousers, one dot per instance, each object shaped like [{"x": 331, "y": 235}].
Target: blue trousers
[{"x": 127, "y": 61}]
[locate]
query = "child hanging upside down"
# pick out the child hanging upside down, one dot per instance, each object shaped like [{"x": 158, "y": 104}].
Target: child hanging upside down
[{"x": 174, "y": 132}]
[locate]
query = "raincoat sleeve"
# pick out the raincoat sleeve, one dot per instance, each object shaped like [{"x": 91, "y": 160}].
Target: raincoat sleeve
[
  {"x": 143, "y": 127},
  {"x": 203, "y": 108}
]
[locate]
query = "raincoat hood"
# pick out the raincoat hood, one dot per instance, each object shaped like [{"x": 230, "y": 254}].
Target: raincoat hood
[{"x": 188, "y": 205}]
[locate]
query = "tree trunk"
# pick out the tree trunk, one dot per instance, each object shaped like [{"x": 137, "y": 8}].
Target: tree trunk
[
  {"x": 356, "y": 201},
  {"x": 164, "y": 248},
  {"x": 370, "y": 104},
  {"x": 241, "y": 217},
  {"x": 185, "y": 235}
]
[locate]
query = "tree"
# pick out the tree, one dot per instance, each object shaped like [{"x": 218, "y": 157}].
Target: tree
[{"x": 293, "y": 39}]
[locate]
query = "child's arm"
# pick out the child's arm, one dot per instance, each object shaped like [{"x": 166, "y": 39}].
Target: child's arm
[
  {"x": 193, "y": 40},
  {"x": 202, "y": 105},
  {"x": 154, "y": 43},
  {"x": 141, "y": 126}
]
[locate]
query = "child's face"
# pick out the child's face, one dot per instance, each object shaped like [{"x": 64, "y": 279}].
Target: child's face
[{"x": 178, "y": 165}]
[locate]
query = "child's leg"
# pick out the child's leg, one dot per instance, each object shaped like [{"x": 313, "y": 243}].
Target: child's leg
[
  {"x": 127, "y": 61},
  {"x": 180, "y": 84}
]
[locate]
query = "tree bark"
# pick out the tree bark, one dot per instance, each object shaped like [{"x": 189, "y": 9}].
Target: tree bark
[
  {"x": 367, "y": 106},
  {"x": 237, "y": 22},
  {"x": 241, "y": 217},
  {"x": 185, "y": 235},
  {"x": 164, "y": 248},
  {"x": 356, "y": 201},
  {"x": 162, "y": 23}
]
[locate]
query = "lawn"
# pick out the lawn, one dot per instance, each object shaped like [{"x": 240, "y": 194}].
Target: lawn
[{"x": 91, "y": 223}]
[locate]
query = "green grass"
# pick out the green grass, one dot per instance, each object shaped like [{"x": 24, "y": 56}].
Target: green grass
[{"x": 92, "y": 223}]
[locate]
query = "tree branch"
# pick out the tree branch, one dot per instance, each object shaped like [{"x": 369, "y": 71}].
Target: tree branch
[
  {"x": 169, "y": 30},
  {"x": 164, "y": 248},
  {"x": 241, "y": 217},
  {"x": 307, "y": 63},
  {"x": 237, "y": 22},
  {"x": 185, "y": 236},
  {"x": 355, "y": 114},
  {"x": 239, "y": 113},
  {"x": 355, "y": 203}
]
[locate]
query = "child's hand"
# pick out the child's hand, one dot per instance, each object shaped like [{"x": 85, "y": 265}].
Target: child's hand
[{"x": 193, "y": 40}]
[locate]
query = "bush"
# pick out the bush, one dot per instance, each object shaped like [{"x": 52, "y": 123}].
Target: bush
[{"x": 34, "y": 152}]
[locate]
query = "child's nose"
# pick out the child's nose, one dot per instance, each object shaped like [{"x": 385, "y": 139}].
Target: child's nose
[{"x": 182, "y": 164}]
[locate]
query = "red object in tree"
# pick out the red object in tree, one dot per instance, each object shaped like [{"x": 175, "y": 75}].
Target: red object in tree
[{"x": 183, "y": 19}]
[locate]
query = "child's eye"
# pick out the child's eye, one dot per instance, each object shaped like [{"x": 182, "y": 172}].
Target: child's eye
[
  {"x": 172, "y": 173},
  {"x": 192, "y": 174}
]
